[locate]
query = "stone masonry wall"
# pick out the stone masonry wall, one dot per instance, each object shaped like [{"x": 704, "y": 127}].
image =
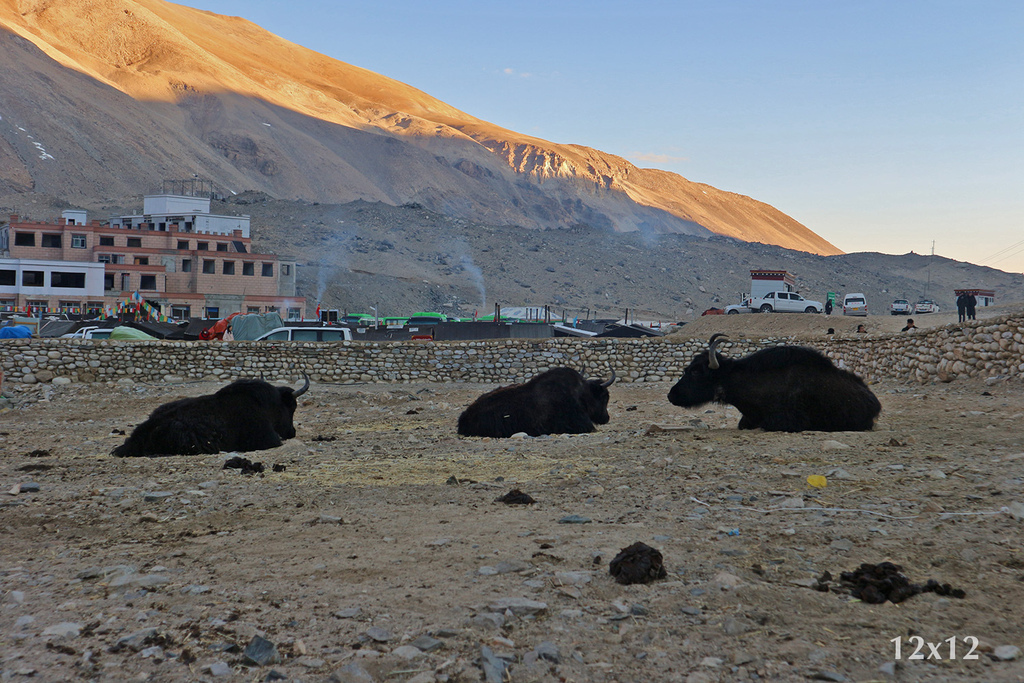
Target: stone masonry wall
[{"x": 989, "y": 348}]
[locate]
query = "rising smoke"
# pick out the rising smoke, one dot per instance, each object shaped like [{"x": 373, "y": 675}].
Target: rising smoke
[{"x": 477, "y": 277}]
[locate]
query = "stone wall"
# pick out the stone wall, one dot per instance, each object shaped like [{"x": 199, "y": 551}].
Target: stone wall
[{"x": 993, "y": 347}]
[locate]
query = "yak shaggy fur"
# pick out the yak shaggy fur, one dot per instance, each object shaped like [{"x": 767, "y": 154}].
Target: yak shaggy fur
[
  {"x": 559, "y": 401},
  {"x": 246, "y": 415},
  {"x": 781, "y": 389}
]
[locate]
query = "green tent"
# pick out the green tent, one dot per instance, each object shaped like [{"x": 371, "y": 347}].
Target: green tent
[{"x": 129, "y": 333}]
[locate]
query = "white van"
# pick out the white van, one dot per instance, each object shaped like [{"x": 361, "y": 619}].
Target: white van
[
  {"x": 311, "y": 334},
  {"x": 855, "y": 304},
  {"x": 93, "y": 332}
]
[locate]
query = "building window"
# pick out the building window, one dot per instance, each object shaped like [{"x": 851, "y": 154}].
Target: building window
[
  {"x": 183, "y": 244},
  {"x": 134, "y": 241},
  {"x": 32, "y": 278},
  {"x": 142, "y": 260},
  {"x": 24, "y": 239},
  {"x": 106, "y": 241},
  {"x": 39, "y": 305},
  {"x": 209, "y": 267},
  {"x": 78, "y": 242},
  {"x": 50, "y": 241},
  {"x": 7, "y": 278},
  {"x": 69, "y": 280},
  {"x": 108, "y": 281},
  {"x": 252, "y": 310},
  {"x": 229, "y": 268},
  {"x": 222, "y": 246},
  {"x": 6, "y": 305},
  {"x": 110, "y": 258},
  {"x": 186, "y": 265},
  {"x": 203, "y": 246},
  {"x": 126, "y": 282},
  {"x": 213, "y": 312},
  {"x": 294, "y": 314},
  {"x": 271, "y": 309},
  {"x": 147, "y": 282},
  {"x": 181, "y": 312},
  {"x": 94, "y": 308},
  {"x": 248, "y": 269},
  {"x": 286, "y": 270},
  {"x": 268, "y": 270},
  {"x": 69, "y": 306}
]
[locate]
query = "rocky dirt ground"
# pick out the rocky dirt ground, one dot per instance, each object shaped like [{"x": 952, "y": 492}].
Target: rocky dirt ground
[{"x": 380, "y": 554}]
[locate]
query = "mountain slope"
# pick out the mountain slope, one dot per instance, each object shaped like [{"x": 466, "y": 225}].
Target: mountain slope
[{"x": 122, "y": 94}]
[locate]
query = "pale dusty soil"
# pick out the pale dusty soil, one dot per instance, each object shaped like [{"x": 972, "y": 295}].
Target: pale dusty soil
[
  {"x": 809, "y": 326},
  {"x": 240, "y": 555}
]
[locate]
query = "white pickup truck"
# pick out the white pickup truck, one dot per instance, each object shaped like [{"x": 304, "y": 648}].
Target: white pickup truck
[{"x": 784, "y": 302}]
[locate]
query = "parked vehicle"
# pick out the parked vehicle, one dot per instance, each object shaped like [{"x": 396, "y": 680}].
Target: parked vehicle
[
  {"x": 307, "y": 334},
  {"x": 89, "y": 333},
  {"x": 900, "y": 307},
  {"x": 742, "y": 307},
  {"x": 855, "y": 304},
  {"x": 785, "y": 302},
  {"x": 926, "y": 306}
]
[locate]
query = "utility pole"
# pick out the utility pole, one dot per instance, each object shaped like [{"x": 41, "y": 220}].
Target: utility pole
[{"x": 930, "y": 259}]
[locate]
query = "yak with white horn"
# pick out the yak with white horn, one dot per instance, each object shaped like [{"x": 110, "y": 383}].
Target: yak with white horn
[{"x": 779, "y": 389}]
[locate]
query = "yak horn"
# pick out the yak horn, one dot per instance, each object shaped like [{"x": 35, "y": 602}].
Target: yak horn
[
  {"x": 304, "y": 389},
  {"x": 712, "y": 358},
  {"x": 608, "y": 382}
]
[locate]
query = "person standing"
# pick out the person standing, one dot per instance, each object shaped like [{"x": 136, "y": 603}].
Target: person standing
[
  {"x": 961, "y": 307},
  {"x": 971, "y": 304},
  {"x": 828, "y": 306}
]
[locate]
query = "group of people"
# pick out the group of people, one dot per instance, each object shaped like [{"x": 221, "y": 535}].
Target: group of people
[{"x": 965, "y": 305}]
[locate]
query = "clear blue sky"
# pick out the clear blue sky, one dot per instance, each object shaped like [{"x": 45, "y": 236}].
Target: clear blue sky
[{"x": 880, "y": 125}]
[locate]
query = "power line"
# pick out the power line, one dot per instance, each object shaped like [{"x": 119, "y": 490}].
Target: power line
[
  {"x": 1014, "y": 253},
  {"x": 1001, "y": 251}
]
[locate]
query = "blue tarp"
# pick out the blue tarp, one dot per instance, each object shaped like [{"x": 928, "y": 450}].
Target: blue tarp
[{"x": 15, "y": 332}]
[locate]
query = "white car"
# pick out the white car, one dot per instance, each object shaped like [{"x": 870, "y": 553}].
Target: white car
[
  {"x": 738, "y": 308},
  {"x": 900, "y": 307},
  {"x": 926, "y": 306},
  {"x": 307, "y": 334},
  {"x": 855, "y": 304},
  {"x": 785, "y": 302},
  {"x": 89, "y": 333}
]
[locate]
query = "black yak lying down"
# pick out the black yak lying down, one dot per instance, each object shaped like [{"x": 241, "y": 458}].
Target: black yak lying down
[
  {"x": 559, "y": 401},
  {"x": 779, "y": 389},
  {"x": 246, "y": 415}
]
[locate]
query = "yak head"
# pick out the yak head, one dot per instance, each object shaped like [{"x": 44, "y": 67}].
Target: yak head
[
  {"x": 595, "y": 399},
  {"x": 702, "y": 378},
  {"x": 284, "y": 423}
]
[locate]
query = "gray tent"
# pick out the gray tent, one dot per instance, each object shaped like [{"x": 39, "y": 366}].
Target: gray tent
[{"x": 251, "y": 326}]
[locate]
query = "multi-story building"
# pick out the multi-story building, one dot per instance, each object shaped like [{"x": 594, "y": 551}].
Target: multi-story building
[{"x": 177, "y": 256}]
